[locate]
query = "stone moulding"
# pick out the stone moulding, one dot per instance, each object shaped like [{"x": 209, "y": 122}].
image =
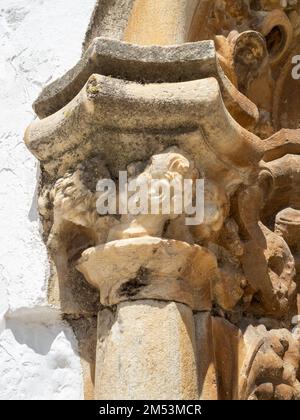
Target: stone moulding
[
  {"x": 118, "y": 120},
  {"x": 147, "y": 64}
]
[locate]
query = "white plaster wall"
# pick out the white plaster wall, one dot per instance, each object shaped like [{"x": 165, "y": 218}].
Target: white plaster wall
[{"x": 39, "y": 41}]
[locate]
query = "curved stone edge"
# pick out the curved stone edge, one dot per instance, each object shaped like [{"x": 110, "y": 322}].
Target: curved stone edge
[
  {"x": 106, "y": 107},
  {"x": 151, "y": 268},
  {"x": 283, "y": 142},
  {"x": 146, "y": 64}
]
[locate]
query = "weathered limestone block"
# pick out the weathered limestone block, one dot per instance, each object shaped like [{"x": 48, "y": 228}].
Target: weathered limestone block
[
  {"x": 285, "y": 189},
  {"x": 270, "y": 286},
  {"x": 233, "y": 24},
  {"x": 288, "y": 226},
  {"x": 147, "y": 350},
  {"x": 249, "y": 363},
  {"x": 275, "y": 26},
  {"x": 131, "y": 62},
  {"x": 272, "y": 277},
  {"x": 226, "y": 349},
  {"x": 69, "y": 213}
]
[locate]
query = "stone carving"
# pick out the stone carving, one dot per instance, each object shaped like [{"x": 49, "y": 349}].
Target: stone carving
[
  {"x": 270, "y": 373},
  {"x": 171, "y": 166},
  {"x": 203, "y": 94}
]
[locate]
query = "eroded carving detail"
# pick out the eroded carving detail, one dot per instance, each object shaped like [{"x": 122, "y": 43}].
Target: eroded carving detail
[{"x": 215, "y": 107}]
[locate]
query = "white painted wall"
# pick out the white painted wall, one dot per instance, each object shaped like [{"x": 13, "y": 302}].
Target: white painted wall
[{"x": 39, "y": 41}]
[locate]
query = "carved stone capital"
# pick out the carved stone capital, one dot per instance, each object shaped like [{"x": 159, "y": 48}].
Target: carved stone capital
[
  {"x": 151, "y": 268},
  {"x": 202, "y": 311}
]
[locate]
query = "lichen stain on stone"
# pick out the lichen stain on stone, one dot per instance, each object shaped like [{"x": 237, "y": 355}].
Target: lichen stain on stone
[{"x": 133, "y": 286}]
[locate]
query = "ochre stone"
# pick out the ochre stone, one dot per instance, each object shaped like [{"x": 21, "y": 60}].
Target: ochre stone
[
  {"x": 179, "y": 90},
  {"x": 147, "y": 350}
]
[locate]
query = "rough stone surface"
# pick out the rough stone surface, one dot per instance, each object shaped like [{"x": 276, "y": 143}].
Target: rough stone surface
[
  {"x": 207, "y": 379},
  {"x": 135, "y": 365},
  {"x": 151, "y": 268}
]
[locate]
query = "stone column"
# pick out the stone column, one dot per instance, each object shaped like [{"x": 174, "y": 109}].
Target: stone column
[
  {"x": 147, "y": 343},
  {"x": 146, "y": 350},
  {"x": 172, "y": 20}
]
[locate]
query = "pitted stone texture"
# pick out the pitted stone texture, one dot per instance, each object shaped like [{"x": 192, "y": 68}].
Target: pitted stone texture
[
  {"x": 146, "y": 64},
  {"x": 146, "y": 350},
  {"x": 208, "y": 381},
  {"x": 109, "y": 57},
  {"x": 127, "y": 122},
  {"x": 151, "y": 268},
  {"x": 109, "y": 18},
  {"x": 118, "y": 120}
]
